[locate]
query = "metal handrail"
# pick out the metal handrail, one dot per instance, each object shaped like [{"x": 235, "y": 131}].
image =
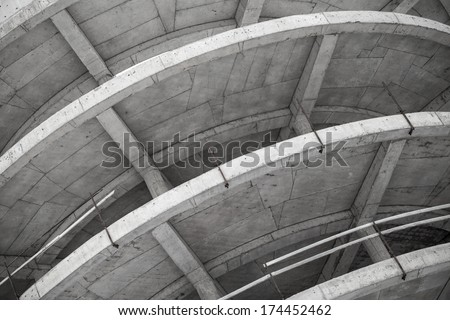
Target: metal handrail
[
  {"x": 331, "y": 251},
  {"x": 353, "y": 230},
  {"x": 57, "y": 238}
]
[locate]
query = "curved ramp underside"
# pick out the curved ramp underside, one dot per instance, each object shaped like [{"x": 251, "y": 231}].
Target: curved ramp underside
[
  {"x": 427, "y": 277},
  {"x": 193, "y": 193},
  {"x": 227, "y": 71},
  {"x": 154, "y": 70}
]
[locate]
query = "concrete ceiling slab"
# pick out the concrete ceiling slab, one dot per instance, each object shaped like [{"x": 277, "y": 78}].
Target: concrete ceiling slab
[
  {"x": 387, "y": 279},
  {"x": 215, "y": 91},
  {"x": 243, "y": 229}
]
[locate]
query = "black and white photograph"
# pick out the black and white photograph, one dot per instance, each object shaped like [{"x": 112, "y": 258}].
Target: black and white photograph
[{"x": 226, "y": 159}]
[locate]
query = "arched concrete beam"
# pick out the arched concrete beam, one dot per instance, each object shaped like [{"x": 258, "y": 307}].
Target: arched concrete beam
[
  {"x": 322, "y": 226},
  {"x": 192, "y": 193},
  {"x": 231, "y": 130},
  {"x": 117, "y": 64},
  {"x": 28, "y": 17},
  {"x": 300, "y": 232},
  {"x": 173, "y": 62},
  {"x": 382, "y": 275}
]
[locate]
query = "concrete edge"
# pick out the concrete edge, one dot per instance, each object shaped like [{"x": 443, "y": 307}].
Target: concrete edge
[
  {"x": 173, "y": 62},
  {"x": 198, "y": 190},
  {"x": 381, "y": 275}
]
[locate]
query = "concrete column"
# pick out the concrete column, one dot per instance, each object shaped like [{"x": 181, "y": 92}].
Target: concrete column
[
  {"x": 248, "y": 12},
  {"x": 187, "y": 261},
  {"x": 365, "y": 207},
  {"x": 135, "y": 151},
  {"x": 446, "y": 5},
  {"x": 80, "y": 44},
  {"x": 405, "y": 6},
  {"x": 166, "y": 10},
  {"x": 32, "y": 270},
  {"x": 310, "y": 83}
]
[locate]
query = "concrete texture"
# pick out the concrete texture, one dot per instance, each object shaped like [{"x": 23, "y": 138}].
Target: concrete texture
[
  {"x": 426, "y": 269},
  {"x": 248, "y": 12},
  {"x": 181, "y": 66},
  {"x": 179, "y": 200},
  {"x": 187, "y": 261},
  {"x": 157, "y": 184},
  {"x": 365, "y": 207},
  {"x": 307, "y": 92},
  {"x": 142, "y": 76}
]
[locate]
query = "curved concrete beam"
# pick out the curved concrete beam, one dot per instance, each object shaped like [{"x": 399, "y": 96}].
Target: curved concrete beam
[
  {"x": 28, "y": 17},
  {"x": 382, "y": 275},
  {"x": 173, "y": 62},
  {"x": 118, "y": 64},
  {"x": 319, "y": 227},
  {"x": 322, "y": 226},
  {"x": 223, "y": 133},
  {"x": 192, "y": 193}
]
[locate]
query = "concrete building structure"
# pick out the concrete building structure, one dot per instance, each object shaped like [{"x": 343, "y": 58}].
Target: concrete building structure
[{"x": 360, "y": 87}]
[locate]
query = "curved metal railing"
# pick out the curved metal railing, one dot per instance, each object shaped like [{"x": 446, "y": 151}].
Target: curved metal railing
[
  {"x": 57, "y": 238},
  {"x": 339, "y": 235}
]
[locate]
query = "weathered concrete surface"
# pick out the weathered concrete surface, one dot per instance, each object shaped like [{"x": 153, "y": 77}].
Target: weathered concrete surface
[
  {"x": 383, "y": 275},
  {"x": 32, "y": 271},
  {"x": 131, "y": 178},
  {"x": 135, "y": 22},
  {"x": 365, "y": 207},
  {"x": 82, "y": 12},
  {"x": 232, "y": 267},
  {"x": 145, "y": 74},
  {"x": 247, "y": 86},
  {"x": 446, "y": 5},
  {"x": 120, "y": 185},
  {"x": 248, "y": 12},
  {"x": 139, "y": 158},
  {"x": 308, "y": 88},
  {"x": 377, "y": 180},
  {"x": 10, "y": 7},
  {"x": 187, "y": 261},
  {"x": 109, "y": 119},
  {"x": 167, "y": 11},
  {"x": 46, "y": 90},
  {"x": 405, "y": 6},
  {"x": 202, "y": 188},
  {"x": 81, "y": 45},
  {"x": 158, "y": 184},
  {"x": 137, "y": 155},
  {"x": 29, "y": 15},
  {"x": 274, "y": 244},
  {"x": 135, "y": 58}
]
